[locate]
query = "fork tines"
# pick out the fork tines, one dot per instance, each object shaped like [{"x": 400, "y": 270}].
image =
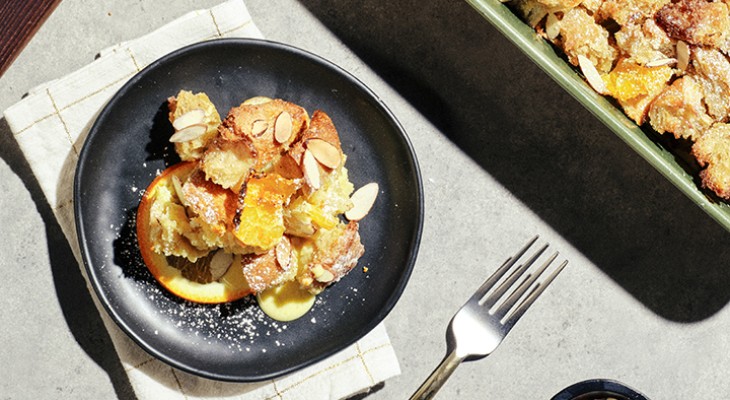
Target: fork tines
[{"x": 508, "y": 301}]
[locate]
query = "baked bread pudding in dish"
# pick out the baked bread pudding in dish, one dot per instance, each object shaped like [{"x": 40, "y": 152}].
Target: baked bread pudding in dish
[
  {"x": 261, "y": 199},
  {"x": 665, "y": 62}
]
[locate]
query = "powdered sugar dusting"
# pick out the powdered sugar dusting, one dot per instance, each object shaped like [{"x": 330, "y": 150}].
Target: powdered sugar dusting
[
  {"x": 236, "y": 325},
  {"x": 234, "y": 328}
]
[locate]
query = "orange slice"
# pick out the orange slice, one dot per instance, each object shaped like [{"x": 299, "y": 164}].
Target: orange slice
[{"x": 231, "y": 286}]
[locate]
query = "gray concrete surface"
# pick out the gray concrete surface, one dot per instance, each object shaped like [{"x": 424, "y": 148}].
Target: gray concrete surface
[{"x": 504, "y": 154}]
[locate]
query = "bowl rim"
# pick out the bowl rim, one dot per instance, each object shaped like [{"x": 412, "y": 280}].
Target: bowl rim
[{"x": 598, "y": 386}]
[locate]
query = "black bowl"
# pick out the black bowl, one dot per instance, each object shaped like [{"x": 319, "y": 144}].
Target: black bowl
[
  {"x": 127, "y": 146},
  {"x": 595, "y": 389}
]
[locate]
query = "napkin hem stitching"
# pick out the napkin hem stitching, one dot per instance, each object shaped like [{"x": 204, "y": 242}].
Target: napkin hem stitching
[
  {"x": 332, "y": 367},
  {"x": 179, "y": 385},
  {"x": 217, "y": 28},
  {"x": 364, "y": 364},
  {"x": 63, "y": 122},
  {"x": 75, "y": 102}
]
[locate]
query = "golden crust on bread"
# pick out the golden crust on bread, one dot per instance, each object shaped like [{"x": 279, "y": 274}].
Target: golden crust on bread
[
  {"x": 215, "y": 205},
  {"x": 241, "y": 121},
  {"x": 320, "y": 127},
  {"x": 263, "y": 271},
  {"x": 712, "y": 151},
  {"x": 335, "y": 253},
  {"x": 247, "y": 143},
  {"x": 228, "y": 162}
]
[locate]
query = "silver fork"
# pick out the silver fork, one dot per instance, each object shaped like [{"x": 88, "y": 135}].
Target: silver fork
[{"x": 484, "y": 320}]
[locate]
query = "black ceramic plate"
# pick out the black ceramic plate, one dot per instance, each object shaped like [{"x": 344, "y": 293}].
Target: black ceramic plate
[
  {"x": 599, "y": 389},
  {"x": 127, "y": 146}
]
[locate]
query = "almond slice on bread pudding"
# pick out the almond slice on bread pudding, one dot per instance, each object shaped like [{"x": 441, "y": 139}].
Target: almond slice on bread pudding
[
  {"x": 185, "y": 111},
  {"x": 273, "y": 268},
  {"x": 320, "y": 127},
  {"x": 248, "y": 141},
  {"x": 251, "y": 131}
]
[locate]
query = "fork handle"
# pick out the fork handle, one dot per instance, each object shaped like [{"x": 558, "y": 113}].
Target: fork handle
[{"x": 438, "y": 377}]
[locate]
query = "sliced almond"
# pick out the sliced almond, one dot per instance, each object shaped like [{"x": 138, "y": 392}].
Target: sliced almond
[
  {"x": 683, "y": 53},
  {"x": 259, "y": 127},
  {"x": 283, "y": 253},
  {"x": 178, "y": 189},
  {"x": 310, "y": 169},
  {"x": 326, "y": 277},
  {"x": 257, "y": 100},
  {"x": 220, "y": 263},
  {"x": 552, "y": 26},
  {"x": 192, "y": 117},
  {"x": 661, "y": 62},
  {"x": 321, "y": 274},
  {"x": 317, "y": 270},
  {"x": 592, "y": 76},
  {"x": 189, "y": 133},
  {"x": 325, "y": 152},
  {"x": 283, "y": 127},
  {"x": 362, "y": 201}
]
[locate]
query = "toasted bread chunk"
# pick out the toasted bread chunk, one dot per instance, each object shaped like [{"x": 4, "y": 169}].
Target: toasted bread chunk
[
  {"x": 212, "y": 212},
  {"x": 215, "y": 205},
  {"x": 679, "y": 109},
  {"x": 320, "y": 127},
  {"x": 263, "y": 271},
  {"x": 247, "y": 142},
  {"x": 713, "y": 74},
  {"x": 335, "y": 253},
  {"x": 626, "y": 12},
  {"x": 581, "y": 35},
  {"x": 698, "y": 22},
  {"x": 184, "y": 102},
  {"x": 712, "y": 151},
  {"x": 644, "y": 43},
  {"x": 242, "y": 120},
  {"x": 320, "y": 209},
  {"x": 228, "y": 163}
]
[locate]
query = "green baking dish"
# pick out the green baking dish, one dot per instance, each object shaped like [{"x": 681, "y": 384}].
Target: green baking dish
[{"x": 650, "y": 148}]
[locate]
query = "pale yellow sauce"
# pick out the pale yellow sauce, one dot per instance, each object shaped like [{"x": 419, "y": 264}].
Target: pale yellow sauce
[{"x": 286, "y": 302}]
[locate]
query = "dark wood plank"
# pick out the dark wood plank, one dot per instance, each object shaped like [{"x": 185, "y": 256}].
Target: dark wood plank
[{"x": 19, "y": 21}]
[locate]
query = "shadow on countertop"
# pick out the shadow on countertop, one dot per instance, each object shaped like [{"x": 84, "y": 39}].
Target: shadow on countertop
[
  {"x": 544, "y": 147},
  {"x": 79, "y": 311}
]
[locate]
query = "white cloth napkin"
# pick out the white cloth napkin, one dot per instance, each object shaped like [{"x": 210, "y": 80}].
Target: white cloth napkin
[{"x": 49, "y": 125}]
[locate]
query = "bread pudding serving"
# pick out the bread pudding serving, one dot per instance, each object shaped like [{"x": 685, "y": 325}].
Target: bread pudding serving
[
  {"x": 260, "y": 200},
  {"x": 665, "y": 62}
]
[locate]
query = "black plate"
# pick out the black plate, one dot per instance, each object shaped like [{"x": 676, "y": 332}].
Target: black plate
[
  {"x": 127, "y": 146},
  {"x": 595, "y": 389}
]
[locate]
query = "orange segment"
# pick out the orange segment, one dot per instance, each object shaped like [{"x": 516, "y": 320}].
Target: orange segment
[
  {"x": 629, "y": 80},
  {"x": 231, "y": 286},
  {"x": 261, "y": 221}
]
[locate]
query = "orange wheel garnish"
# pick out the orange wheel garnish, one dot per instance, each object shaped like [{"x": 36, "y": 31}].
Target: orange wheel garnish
[{"x": 231, "y": 286}]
